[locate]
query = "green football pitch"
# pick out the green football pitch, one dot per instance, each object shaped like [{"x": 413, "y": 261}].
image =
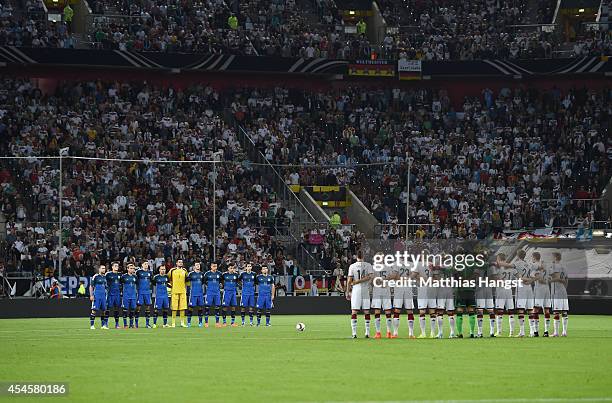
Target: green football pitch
[{"x": 321, "y": 364}]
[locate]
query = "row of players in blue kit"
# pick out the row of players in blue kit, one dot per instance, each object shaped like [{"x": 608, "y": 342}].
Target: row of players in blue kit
[{"x": 132, "y": 293}]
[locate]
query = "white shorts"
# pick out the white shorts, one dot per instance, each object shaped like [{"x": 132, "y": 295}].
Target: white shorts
[
  {"x": 423, "y": 303},
  {"x": 503, "y": 299},
  {"x": 401, "y": 302},
  {"x": 524, "y": 297},
  {"x": 383, "y": 303},
  {"x": 484, "y": 303},
  {"x": 448, "y": 304},
  {"x": 445, "y": 299},
  {"x": 525, "y": 303},
  {"x": 542, "y": 298},
  {"x": 359, "y": 301},
  {"x": 432, "y": 297},
  {"x": 560, "y": 304}
]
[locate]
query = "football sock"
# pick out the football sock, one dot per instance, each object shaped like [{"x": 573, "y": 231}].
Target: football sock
[
  {"x": 410, "y": 324},
  {"x": 116, "y": 314},
  {"x": 233, "y": 317},
  {"x": 479, "y": 320},
  {"x": 459, "y": 324},
  {"x": 206, "y": 313},
  {"x": 173, "y": 318},
  {"x": 546, "y": 321},
  {"x": 451, "y": 323},
  {"x": 147, "y": 316},
  {"x": 499, "y": 323},
  {"x": 106, "y": 316},
  {"x": 367, "y": 324},
  {"x": 155, "y": 315},
  {"x": 432, "y": 325},
  {"x": 217, "y": 314},
  {"x": 182, "y": 313},
  {"x": 125, "y": 315},
  {"x": 440, "y": 325},
  {"x": 258, "y": 317},
  {"x": 564, "y": 320},
  {"x": 251, "y": 316},
  {"x": 189, "y": 314},
  {"x": 388, "y": 322},
  {"x": 422, "y": 323},
  {"x": 137, "y": 316},
  {"x": 200, "y": 315},
  {"x": 521, "y": 319},
  {"x": 267, "y": 317},
  {"x": 165, "y": 316},
  {"x": 492, "y": 323},
  {"x": 472, "y": 321},
  {"x": 354, "y": 324},
  {"x": 556, "y": 324},
  {"x": 396, "y": 323},
  {"x": 511, "y": 323},
  {"x": 92, "y": 318},
  {"x": 377, "y": 322},
  {"x": 131, "y": 315}
]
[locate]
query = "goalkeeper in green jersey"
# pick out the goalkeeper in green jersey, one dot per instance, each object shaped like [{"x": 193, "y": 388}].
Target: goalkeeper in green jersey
[{"x": 466, "y": 299}]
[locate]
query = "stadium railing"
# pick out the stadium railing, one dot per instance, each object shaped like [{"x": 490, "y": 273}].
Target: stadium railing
[
  {"x": 289, "y": 200},
  {"x": 412, "y": 229}
]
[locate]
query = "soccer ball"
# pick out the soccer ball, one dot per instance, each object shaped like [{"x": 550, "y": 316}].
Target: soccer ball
[{"x": 300, "y": 327}]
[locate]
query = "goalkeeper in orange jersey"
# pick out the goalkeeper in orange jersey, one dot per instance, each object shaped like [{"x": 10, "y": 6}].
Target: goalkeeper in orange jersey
[{"x": 176, "y": 280}]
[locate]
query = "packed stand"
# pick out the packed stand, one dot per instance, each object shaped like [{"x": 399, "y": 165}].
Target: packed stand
[
  {"x": 334, "y": 246},
  {"x": 594, "y": 43},
  {"x": 509, "y": 160},
  {"x": 170, "y": 26},
  {"x": 117, "y": 210},
  {"x": 28, "y": 28},
  {"x": 454, "y": 30}
]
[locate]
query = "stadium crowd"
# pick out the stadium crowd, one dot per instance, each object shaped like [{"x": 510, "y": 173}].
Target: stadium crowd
[
  {"x": 26, "y": 27},
  {"x": 510, "y": 159},
  {"x": 446, "y": 30},
  {"x": 115, "y": 210}
]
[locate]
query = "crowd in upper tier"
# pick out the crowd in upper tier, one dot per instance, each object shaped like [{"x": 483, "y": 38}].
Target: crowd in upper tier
[
  {"x": 508, "y": 159},
  {"x": 504, "y": 160},
  {"x": 419, "y": 29}
]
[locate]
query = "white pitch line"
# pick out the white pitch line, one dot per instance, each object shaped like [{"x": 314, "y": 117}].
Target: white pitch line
[{"x": 509, "y": 400}]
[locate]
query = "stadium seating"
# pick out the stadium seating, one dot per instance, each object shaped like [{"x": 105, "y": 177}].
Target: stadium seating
[
  {"x": 497, "y": 163},
  {"x": 417, "y": 29},
  {"x": 114, "y": 209},
  {"x": 507, "y": 160}
]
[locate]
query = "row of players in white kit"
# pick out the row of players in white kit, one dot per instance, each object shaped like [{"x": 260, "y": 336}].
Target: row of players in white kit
[{"x": 543, "y": 289}]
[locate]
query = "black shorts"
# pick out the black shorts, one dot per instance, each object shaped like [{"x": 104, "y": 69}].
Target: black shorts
[{"x": 465, "y": 298}]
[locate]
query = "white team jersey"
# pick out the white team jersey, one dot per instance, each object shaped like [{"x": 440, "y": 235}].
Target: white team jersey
[
  {"x": 359, "y": 270},
  {"x": 558, "y": 290},
  {"x": 541, "y": 289},
  {"x": 382, "y": 292},
  {"x": 481, "y": 273},
  {"x": 506, "y": 274},
  {"x": 424, "y": 273},
  {"x": 404, "y": 275},
  {"x": 524, "y": 270}
]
